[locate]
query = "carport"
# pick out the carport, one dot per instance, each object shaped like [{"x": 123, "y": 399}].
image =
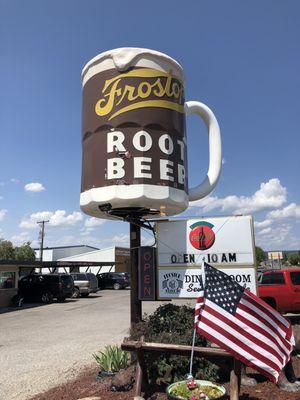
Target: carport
[{"x": 11, "y": 271}]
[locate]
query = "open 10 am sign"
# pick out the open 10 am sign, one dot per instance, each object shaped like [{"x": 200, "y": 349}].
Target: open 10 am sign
[{"x": 183, "y": 245}]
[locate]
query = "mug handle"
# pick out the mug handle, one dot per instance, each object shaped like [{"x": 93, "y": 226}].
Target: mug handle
[{"x": 215, "y": 149}]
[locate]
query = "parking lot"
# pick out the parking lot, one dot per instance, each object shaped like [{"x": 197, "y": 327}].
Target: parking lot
[{"x": 44, "y": 345}]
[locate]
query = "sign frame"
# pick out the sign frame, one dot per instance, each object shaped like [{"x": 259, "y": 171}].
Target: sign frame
[
  {"x": 237, "y": 268},
  {"x": 147, "y": 273}
]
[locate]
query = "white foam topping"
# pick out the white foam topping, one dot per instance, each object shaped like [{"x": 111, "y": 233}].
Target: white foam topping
[{"x": 125, "y": 57}]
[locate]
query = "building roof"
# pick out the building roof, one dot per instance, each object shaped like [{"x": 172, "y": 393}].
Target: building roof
[
  {"x": 114, "y": 250},
  {"x": 66, "y": 247}
]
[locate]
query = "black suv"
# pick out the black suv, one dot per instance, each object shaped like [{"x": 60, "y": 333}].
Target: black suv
[
  {"x": 114, "y": 280},
  {"x": 46, "y": 287}
]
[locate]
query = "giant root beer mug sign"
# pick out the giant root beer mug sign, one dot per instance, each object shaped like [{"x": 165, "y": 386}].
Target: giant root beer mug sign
[{"x": 133, "y": 135}]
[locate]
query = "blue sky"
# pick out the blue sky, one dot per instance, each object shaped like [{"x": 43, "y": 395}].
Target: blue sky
[{"x": 240, "y": 58}]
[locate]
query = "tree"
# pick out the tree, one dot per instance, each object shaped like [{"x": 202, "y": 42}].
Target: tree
[
  {"x": 260, "y": 255},
  {"x": 21, "y": 253},
  {"x": 294, "y": 259},
  {"x": 25, "y": 253},
  {"x": 7, "y": 251}
]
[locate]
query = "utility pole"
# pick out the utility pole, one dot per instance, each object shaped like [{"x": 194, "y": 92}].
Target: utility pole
[{"x": 41, "y": 237}]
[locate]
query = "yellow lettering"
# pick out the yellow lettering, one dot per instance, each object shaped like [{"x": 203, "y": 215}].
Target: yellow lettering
[
  {"x": 144, "y": 94},
  {"x": 168, "y": 86},
  {"x": 159, "y": 92},
  {"x": 175, "y": 90},
  {"x": 106, "y": 109},
  {"x": 130, "y": 90},
  {"x": 114, "y": 94}
]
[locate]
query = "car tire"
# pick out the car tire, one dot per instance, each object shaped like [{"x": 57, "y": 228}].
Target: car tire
[
  {"x": 85, "y": 295},
  {"x": 117, "y": 286},
  {"x": 76, "y": 293},
  {"x": 47, "y": 298},
  {"x": 17, "y": 301}
]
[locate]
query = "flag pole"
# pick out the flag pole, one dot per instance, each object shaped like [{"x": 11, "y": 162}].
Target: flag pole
[{"x": 190, "y": 375}]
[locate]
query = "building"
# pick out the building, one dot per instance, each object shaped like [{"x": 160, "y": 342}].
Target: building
[
  {"x": 118, "y": 255},
  {"x": 56, "y": 253}
]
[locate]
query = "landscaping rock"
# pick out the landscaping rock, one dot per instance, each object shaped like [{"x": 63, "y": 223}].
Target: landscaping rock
[
  {"x": 123, "y": 380},
  {"x": 90, "y": 398},
  {"x": 296, "y": 331},
  {"x": 248, "y": 381}
]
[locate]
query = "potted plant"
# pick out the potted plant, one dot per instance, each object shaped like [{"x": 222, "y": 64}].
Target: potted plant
[
  {"x": 111, "y": 360},
  {"x": 192, "y": 389}
]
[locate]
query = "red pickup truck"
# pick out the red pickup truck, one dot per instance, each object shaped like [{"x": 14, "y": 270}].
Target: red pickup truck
[{"x": 281, "y": 289}]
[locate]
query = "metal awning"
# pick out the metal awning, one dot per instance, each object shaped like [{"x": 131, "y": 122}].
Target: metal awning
[{"x": 53, "y": 265}]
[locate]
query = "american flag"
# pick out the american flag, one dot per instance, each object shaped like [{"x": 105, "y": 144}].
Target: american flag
[{"x": 241, "y": 323}]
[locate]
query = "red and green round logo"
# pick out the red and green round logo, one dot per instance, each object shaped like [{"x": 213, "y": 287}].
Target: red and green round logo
[{"x": 202, "y": 237}]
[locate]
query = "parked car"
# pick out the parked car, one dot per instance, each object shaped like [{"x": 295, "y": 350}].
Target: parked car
[
  {"x": 114, "y": 280},
  {"x": 94, "y": 286},
  {"x": 84, "y": 284},
  {"x": 46, "y": 287},
  {"x": 281, "y": 289}
]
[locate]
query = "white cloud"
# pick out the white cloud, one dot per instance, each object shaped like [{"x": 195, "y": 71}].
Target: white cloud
[
  {"x": 92, "y": 222},
  {"x": 59, "y": 218},
  {"x": 15, "y": 180},
  {"x": 123, "y": 238},
  {"x": 117, "y": 240},
  {"x": 21, "y": 238},
  {"x": 270, "y": 195},
  {"x": 2, "y": 214},
  {"x": 290, "y": 211},
  {"x": 85, "y": 232},
  {"x": 66, "y": 240},
  {"x": 31, "y": 222},
  {"x": 276, "y": 238},
  {"x": 34, "y": 187},
  {"x": 262, "y": 224},
  {"x": 264, "y": 231},
  {"x": 56, "y": 218}
]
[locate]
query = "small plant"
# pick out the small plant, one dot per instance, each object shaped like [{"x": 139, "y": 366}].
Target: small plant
[
  {"x": 112, "y": 359},
  {"x": 172, "y": 324}
]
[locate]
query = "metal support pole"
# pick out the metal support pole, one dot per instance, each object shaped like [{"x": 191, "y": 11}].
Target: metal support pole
[{"x": 135, "y": 303}]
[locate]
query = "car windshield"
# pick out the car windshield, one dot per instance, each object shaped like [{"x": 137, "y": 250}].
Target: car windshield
[
  {"x": 66, "y": 279},
  {"x": 48, "y": 278},
  {"x": 80, "y": 277},
  {"x": 273, "y": 279}
]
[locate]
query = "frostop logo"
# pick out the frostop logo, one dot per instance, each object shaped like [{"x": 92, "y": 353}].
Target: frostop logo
[{"x": 202, "y": 237}]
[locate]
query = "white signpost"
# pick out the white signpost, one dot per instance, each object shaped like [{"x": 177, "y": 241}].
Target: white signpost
[{"x": 224, "y": 242}]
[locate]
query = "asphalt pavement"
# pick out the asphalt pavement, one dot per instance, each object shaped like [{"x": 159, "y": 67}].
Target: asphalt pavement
[{"x": 45, "y": 345}]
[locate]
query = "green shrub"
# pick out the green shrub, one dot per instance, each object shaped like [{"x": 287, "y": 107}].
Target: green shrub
[
  {"x": 112, "y": 359},
  {"x": 172, "y": 324}
]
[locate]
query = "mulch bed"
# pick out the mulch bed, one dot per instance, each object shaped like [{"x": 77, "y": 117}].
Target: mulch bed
[{"x": 86, "y": 385}]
